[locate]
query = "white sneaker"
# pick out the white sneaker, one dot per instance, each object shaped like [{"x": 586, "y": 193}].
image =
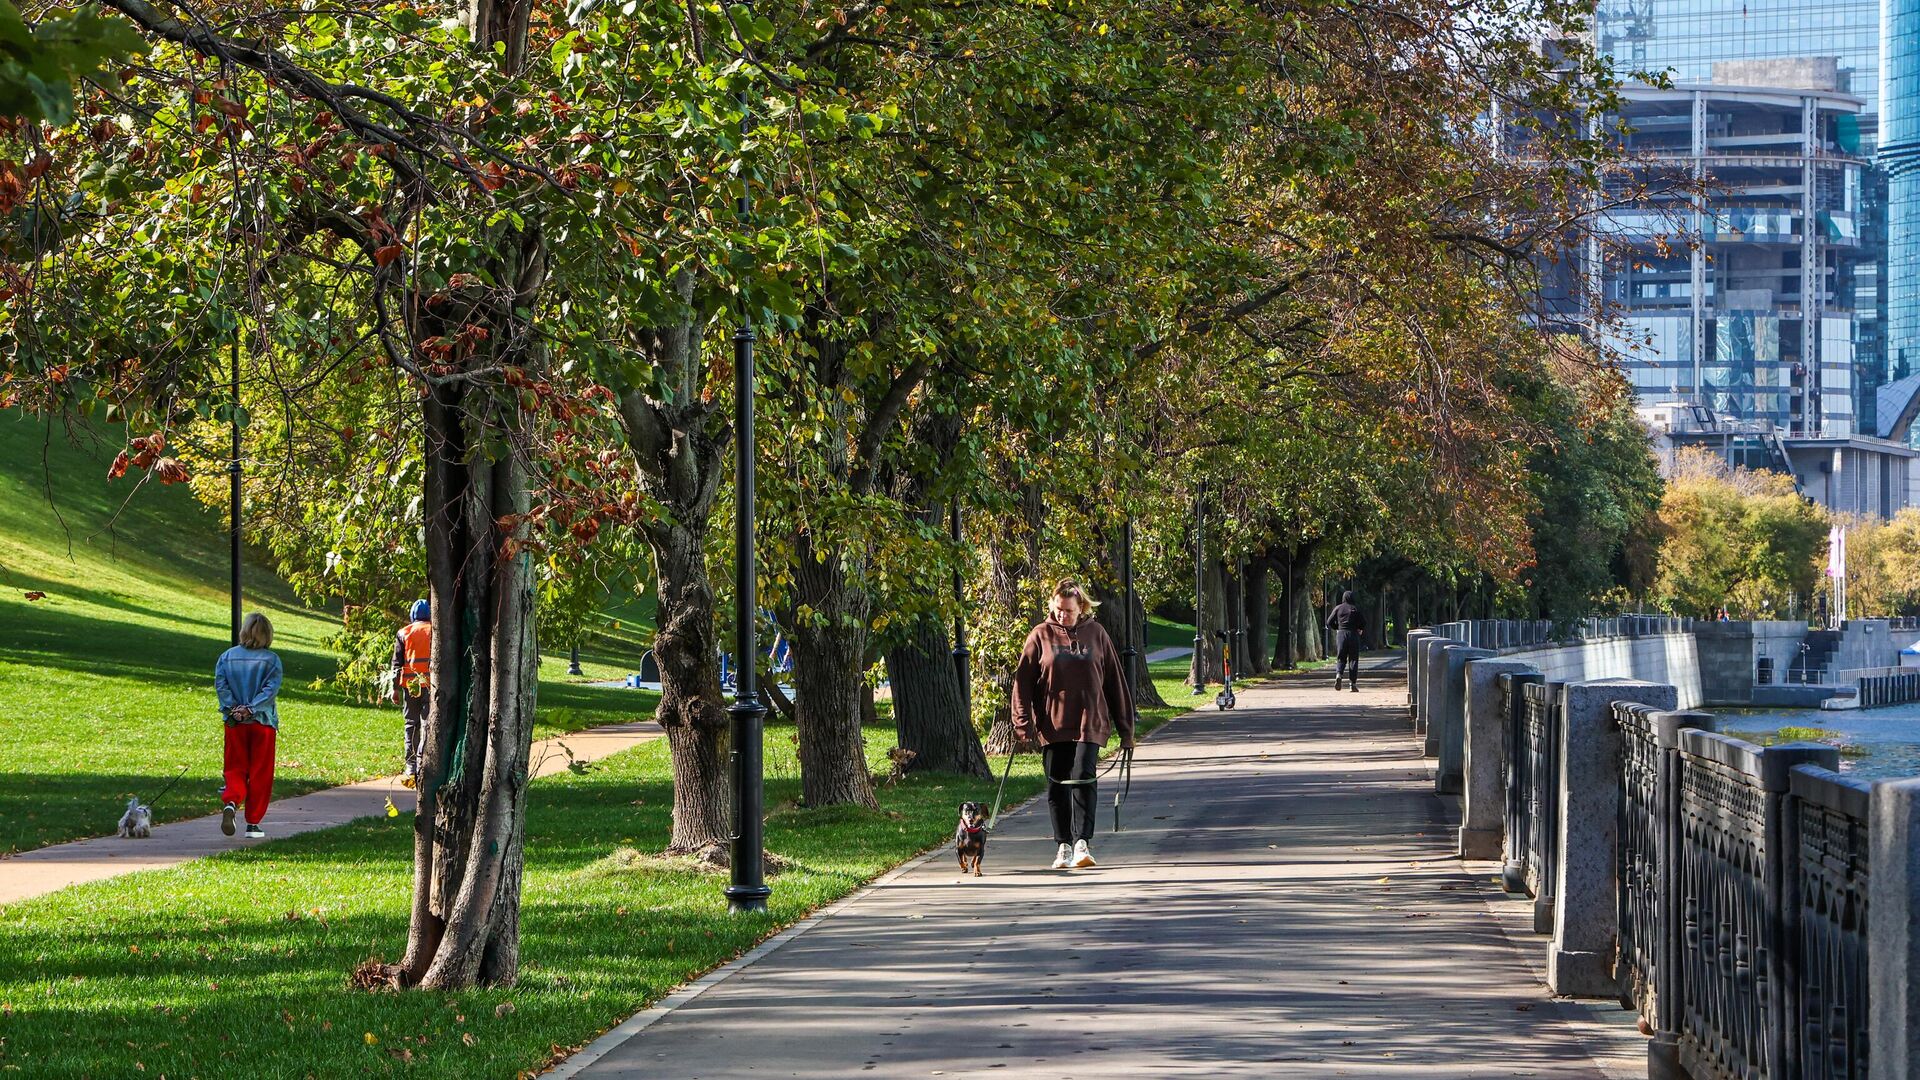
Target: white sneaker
[
  {"x": 255, "y": 832},
  {"x": 1082, "y": 856},
  {"x": 1064, "y": 858}
]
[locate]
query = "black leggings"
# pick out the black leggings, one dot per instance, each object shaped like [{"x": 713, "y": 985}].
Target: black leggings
[
  {"x": 1346, "y": 651},
  {"x": 1070, "y": 804}
]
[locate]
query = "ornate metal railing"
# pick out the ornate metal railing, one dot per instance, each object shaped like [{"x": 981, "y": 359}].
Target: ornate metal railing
[
  {"x": 1647, "y": 841},
  {"x": 1730, "y": 1023},
  {"x": 1524, "y": 633},
  {"x": 1736, "y": 978},
  {"x": 1540, "y": 723},
  {"x": 1517, "y": 835},
  {"x": 1827, "y": 902},
  {"x": 1637, "y": 855}
]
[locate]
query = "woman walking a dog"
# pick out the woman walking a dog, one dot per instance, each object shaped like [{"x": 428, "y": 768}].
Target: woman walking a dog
[
  {"x": 247, "y": 680},
  {"x": 1070, "y": 693}
]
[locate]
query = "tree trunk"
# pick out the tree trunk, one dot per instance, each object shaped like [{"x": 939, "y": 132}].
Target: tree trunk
[
  {"x": 1204, "y": 666},
  {"x": 931, "y": 714},
  {"x": 679, "y": 450},
  {"x": 1309, "y": 633},
  {"x": 1257, "y": 605},
  {"x": 692, "y": 709},
  {"x": 829, "y": 667},
  {"x": 471, "y": 821},
  {"x": 1232, "y": 604},
  {"x": 1299, "y": 637},
  {"x": 1112, "y": 615},
  {"x": 1013, "y": 567},
  {"x": 927, "y": 698}
]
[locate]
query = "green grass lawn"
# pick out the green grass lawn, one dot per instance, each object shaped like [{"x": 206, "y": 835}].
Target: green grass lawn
[
  {"x": 236, "y": 966},
  {"x": 1162, "y": 634},
  {"x": 108, "y": 680}
]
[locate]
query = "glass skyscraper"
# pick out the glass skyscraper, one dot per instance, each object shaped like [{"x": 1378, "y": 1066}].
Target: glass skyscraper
[
  {"x": 1686, "y": 39},
  {"x": 1900, "y": 157}
]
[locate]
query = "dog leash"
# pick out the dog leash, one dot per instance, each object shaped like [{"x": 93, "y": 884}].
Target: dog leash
[
  {"x": 993, "y": 818},
  {"x": 1123, "y": 762},
  {"x": 169, "y": 787}
]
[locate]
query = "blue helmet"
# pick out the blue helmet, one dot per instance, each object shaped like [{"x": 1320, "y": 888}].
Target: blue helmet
[{"x": 420, "y": 611}]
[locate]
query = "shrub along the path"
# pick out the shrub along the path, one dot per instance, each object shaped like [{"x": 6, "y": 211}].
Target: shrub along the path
[{"x": 237, "y": 966}]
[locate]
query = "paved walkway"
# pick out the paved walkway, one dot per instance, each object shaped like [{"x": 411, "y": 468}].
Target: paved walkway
[
  {"x": 1282, "y": 904},
  {"x": 46, "y": 869}
]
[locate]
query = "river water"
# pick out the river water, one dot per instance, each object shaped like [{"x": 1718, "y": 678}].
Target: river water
[{"x": 1881, "y": 743}]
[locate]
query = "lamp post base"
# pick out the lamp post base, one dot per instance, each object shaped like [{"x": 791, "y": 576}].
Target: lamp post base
[{"x": 747, "y": 901}]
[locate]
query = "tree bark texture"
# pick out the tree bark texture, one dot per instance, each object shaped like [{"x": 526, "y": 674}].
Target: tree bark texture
[
  {"x": 1112, "y": 615},
  {"x": 1232, "y": 606},
  {"x": 1309, "y": 631},
  {"x": 1298, "y": 638},
  {"x": 679, "y": 445},
  {"x": 1257, "y": 606},
  {"x": 1204, "y": 666},
  {"x": 471, "y": 824},
  {"x": 927, "y": 698},
  {"x": 829, "y": 669},
  {"x": 1013, "y": 568},
  {"x": 930, "y": 709}
]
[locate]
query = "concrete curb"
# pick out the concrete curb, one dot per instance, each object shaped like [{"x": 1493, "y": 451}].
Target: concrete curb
[{"x": 619, "y": 1034}]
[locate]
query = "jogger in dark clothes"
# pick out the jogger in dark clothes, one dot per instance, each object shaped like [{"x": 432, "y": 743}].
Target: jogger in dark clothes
[{"x": 1349, "y": 626}]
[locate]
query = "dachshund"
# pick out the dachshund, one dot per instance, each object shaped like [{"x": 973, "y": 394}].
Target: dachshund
[{"x": 970, "y": 836}]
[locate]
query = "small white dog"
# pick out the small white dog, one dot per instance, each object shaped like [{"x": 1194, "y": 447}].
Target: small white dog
[{"x": 137, "y": 822}]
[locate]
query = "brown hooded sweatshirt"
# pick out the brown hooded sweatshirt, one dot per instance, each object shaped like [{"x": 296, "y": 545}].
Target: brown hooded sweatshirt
[{"x": 1070, "y": 686}]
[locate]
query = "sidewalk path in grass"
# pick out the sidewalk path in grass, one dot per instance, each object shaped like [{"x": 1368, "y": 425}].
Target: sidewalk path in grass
[
  {"x": 1174, "y": 652},
  {"x": 1283, "y": 902},
  {"x": 43, "y": 870}
]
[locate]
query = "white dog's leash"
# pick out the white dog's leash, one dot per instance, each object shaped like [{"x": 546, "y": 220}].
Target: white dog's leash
[{"x": 169, "y": 787}]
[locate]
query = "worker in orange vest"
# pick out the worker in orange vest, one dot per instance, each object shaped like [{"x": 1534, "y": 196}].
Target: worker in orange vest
[{"x": 412, "y": 676}]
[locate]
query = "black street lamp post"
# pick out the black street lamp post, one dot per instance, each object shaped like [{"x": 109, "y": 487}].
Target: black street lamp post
[
  {"x": 747, "y": 890},
  {"x": 1238, "y": 618},
  {"x": 233, "y": 485},
  {"x": 960, "y": 654},
  {"x": 1129, "y": 655},
  {"x": 1199, "y": 592}
]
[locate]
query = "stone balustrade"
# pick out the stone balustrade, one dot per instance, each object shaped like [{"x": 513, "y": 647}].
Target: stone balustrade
[{"x": 1758, "y": 908}]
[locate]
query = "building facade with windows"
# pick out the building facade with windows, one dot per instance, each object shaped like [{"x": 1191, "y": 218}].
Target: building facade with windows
[
  {"x": 1741, "y": 294},
  {"x": 1721, "y": 48},
  {"x": 1899, "y": 147}
]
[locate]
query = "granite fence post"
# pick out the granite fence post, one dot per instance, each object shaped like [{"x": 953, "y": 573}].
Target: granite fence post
[
  {"x": 1484, "y": 803},
  {"x": 1893, "y": 930},
  {"x": 1449, "y": 778},
  {"x": 1586, "y": 918},
  {"x": 1411, "y": 650},
  {"x": 1433, "y": 671}
]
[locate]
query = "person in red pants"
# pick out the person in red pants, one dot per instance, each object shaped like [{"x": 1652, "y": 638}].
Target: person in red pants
[{"x": 247, "y": 680}]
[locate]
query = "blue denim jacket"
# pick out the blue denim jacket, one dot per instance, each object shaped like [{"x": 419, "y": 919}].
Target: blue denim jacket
[{"x": 249, "y": 677}]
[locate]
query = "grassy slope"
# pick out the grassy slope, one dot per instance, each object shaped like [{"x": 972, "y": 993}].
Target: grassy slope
[
  {"x": 108, "y": 684},
  {"x": 236, "y": 966}
]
